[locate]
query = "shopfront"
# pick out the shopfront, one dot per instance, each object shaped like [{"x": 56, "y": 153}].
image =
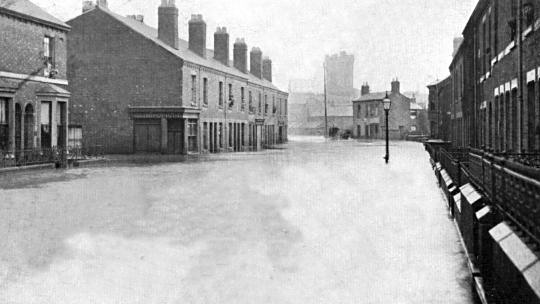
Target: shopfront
[{"x": 166, "y": 130}]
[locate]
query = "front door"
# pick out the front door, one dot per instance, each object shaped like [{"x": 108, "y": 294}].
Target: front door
[
  {"x": 148, "y": 136},
  {"x": 175, "y": 136}
]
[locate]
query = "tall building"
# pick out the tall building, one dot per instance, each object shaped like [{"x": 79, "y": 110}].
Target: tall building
[
  {"x": 340, "y": 74},
  {"x": 140, "y": 89},
  {"x": 33, "y": 71}
]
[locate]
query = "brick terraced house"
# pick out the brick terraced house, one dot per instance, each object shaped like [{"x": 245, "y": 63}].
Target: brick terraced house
[
  {"x": 33, "y": 71},
  {"x": 137, "y": 89},
  {"x": 495, "y": 98},
  {"x": 369, "y": 117}
]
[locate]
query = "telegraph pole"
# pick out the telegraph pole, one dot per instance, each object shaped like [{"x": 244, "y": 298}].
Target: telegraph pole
[{"x": 325, "y": 105}]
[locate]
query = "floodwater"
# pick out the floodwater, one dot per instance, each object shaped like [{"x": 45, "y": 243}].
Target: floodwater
[{"x": 316, "y": 222}]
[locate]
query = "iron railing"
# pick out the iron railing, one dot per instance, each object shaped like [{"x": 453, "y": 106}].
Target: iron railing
[
  {"x": 510, "y": 186},
  {"x": 56, "y": 155}
]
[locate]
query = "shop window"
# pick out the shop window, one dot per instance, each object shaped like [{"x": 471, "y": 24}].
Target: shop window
[{"x": 192, "y": 135}]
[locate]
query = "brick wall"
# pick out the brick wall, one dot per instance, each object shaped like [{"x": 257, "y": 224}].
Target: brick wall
[
  {"x": 21, "y": 46},
  {"x": 111, "y": 68}
]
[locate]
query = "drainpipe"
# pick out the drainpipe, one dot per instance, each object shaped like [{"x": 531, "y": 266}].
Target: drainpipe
[{"x": 520, "y": 75}]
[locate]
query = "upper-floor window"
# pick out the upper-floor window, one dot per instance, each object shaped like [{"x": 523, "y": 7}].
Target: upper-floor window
[
  {"x": 359, "y": 111},
  {"x": 265, "y": 104},
  {"x": 205, "y": 91},
  {"x": 243, "y": 98},
  {"x": 260, "y": 103},
  {"x": 528, "y": 14},
  {"x": 220, "y": 101},
  {"x": 193, "y": 90},
  {"x": 48, "y": 56},
  {"x": 250, "y": 105},
  {"x": 274, "y": 109},
  {"x": 231, "y": 96}
]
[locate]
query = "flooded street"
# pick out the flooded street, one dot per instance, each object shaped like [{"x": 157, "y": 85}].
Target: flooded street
[{"x": 317, "y": 222}]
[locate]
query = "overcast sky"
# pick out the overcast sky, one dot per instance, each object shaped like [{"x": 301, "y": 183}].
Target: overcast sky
[{"x": 409, "y": 39}]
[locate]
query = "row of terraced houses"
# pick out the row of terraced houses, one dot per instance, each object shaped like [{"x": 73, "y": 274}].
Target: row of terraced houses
[
  {"x": 485, "y": 125},
  {"x": 102, "y": 79}
]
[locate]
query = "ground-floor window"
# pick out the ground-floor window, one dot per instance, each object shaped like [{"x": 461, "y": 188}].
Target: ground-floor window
[
  {"x": 75, "y": 137},
  {"x": 4, "y": 125},
  {"x": 205, "y": 136},
  {"x": 46, "y": 131},
  {"x": 192, "y": 135}
]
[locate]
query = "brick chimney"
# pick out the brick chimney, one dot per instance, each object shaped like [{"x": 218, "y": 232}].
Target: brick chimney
[
  {"x": 240, "y": 55},
  {"x": 267, "y": 69},
  {"x": 255, "y": 58},
  {"x": 365, "y": 89},
  {"x": 168, "y": 23},
  {"x": 101, "y": 3},
  {"x": 221, "y": 45},
  {"x": 87, "y": 6},
  {"x": 395, "y": 86},
  {"x": 197, "y": 35}
]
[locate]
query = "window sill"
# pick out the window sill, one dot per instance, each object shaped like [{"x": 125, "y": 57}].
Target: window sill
[{"x": 527, "y": 31}]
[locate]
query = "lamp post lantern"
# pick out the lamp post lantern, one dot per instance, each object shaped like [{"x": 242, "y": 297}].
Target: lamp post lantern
[{"x": 387, "y": 103}]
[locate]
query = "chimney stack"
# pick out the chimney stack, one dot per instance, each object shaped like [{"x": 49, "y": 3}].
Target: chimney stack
[
  {"x": 240, "y": 55},
  {"x": 102, "y": 3},
  {"x": 365, "y": 89},
  {"x": 221, "y": 45},
  {"x": 87, "y": 6},
  {"x": 256, "y": 62},
  {"x": 197, "y": 35},
  {"x": 168, "y": 23},
  {"x": 395, "y": 86},
  {"x": 267, "y": 69}
]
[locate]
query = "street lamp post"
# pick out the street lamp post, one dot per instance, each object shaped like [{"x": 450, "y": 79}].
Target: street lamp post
[{"x": 387, "y": 103}]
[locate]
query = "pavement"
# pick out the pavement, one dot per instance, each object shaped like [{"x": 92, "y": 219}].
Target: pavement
[{"x": 317, "y": 222}]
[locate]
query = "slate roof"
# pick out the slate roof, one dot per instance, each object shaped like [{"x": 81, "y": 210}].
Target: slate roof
[
  {"x": 183, "y": 50},
  {"x": 52, "y": 89},
  {"x": 372, "y": 96},
  {"x": 25, "y": 8}
]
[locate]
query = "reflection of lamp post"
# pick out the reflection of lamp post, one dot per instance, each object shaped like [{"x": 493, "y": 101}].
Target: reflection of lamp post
[{"x": 387, "y": 103}]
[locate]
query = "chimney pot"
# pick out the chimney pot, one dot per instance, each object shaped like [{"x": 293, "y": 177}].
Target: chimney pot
[
  {"x": 87, "y": 6},
  {"x": 267, "y": 68},
  {"x": 240, "y": 55},
  {"x": 221, "y": 45},
  {"x": 197, "y": 35},
  {"x": 168, "y": 23},
  {"x": 256, "y": 62}
]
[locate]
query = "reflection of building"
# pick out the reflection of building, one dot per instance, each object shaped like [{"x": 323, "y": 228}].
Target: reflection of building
[
  {"x": 33, "y": 96},
  {"x": 369, "y": 117},
  {"x": 307, "y": 114},
  {"x": 439, "y": 109},
  {"x": 140, "y": 89}
]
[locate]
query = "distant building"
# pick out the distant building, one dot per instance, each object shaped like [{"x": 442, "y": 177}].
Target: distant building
[
  {"x": 439, "y": 109},
  {"x": 340, "y": 75},
  {"x": 308, "y": 117},
  {"x": 33, "y": 71},
  {"x": 144, "y": 90},
  {"x": 369, "y": 116}
]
